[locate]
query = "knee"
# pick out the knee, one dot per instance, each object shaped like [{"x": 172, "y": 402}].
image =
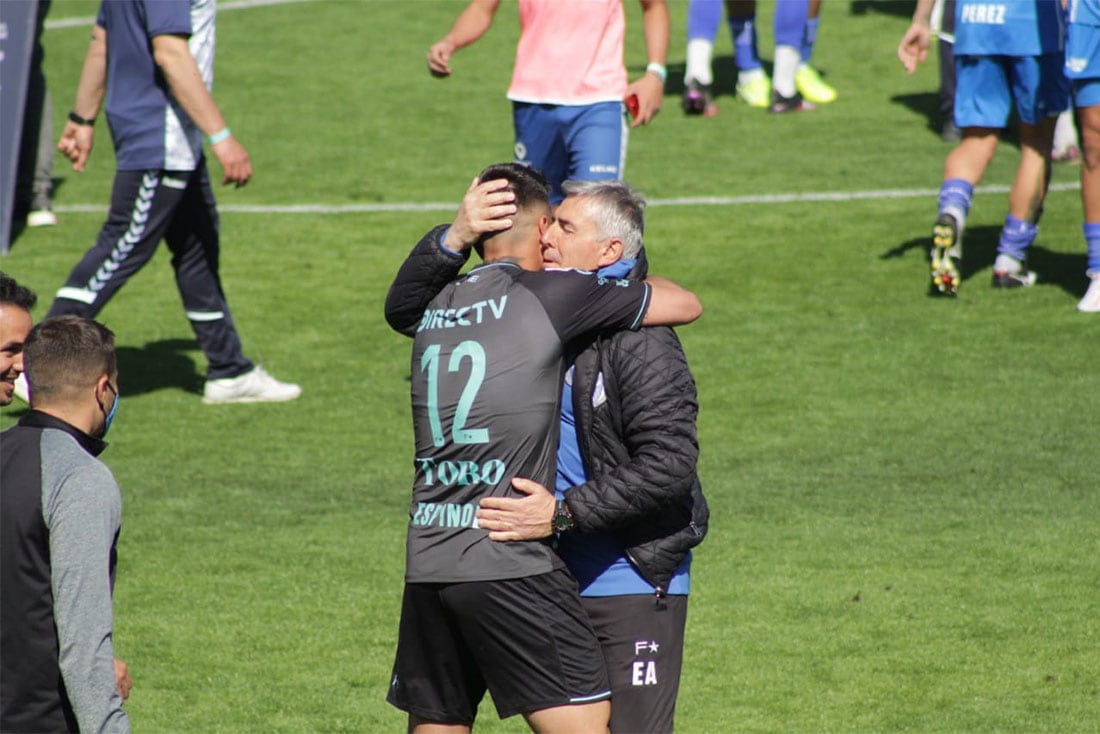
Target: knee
[
  {"x": 1090, "y": 144},
  {"x": 1090, "y": 159}
]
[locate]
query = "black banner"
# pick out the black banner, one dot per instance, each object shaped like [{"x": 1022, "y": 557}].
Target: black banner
[{"x": 17, "y": 27}]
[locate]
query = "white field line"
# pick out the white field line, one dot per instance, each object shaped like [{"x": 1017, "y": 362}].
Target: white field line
[
  {"x": 834, "y": 196},
  {"x": 52, "y": 25},
  {"x": 810, "y": 197}
]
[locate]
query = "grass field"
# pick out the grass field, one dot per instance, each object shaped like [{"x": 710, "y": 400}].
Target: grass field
[{"x": 904, "y": 489}]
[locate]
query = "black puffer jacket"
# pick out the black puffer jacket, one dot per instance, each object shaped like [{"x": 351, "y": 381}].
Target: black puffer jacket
[{"x": 635, "y": 405}]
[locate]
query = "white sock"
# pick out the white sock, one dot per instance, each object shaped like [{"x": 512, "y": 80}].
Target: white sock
[
  {"x": 787, "y": 59},
  {"x": 699, "y": 53},
  {"x": 960, "y": 218},
  {"x": 744, "y": 77}
]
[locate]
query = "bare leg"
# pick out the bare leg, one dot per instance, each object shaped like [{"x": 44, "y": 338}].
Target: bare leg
[
  {"x": 1089, "y": 121},
  {"x": 418, "y": 725},
  {"x": 587, "y": 718},
  {"x": 972, "y": 155},
  {"x": 966, "y": 163},
  {"x": 1033, "y": 174}
]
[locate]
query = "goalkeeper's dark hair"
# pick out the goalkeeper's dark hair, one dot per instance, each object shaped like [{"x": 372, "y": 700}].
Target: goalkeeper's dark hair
[{"x": 529, "y": 185}]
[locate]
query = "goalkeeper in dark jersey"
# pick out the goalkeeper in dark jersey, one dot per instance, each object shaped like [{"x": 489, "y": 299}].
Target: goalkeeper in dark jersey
[{"x": 487, "y": 369}]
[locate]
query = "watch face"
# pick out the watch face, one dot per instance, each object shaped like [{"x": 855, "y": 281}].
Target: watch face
[
  {"x": 562, "y": 520},
  {"x": 559, "y": 517}
]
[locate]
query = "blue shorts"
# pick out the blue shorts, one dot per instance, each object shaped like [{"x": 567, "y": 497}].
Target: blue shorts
[
  {"x": 1086, "y": 92},
  {"x": 1083, "y": 63},
  {"x": 987, "y": 88},
  {"x": 1082, "y": 47},
  {"x": 583, "y": 142}
]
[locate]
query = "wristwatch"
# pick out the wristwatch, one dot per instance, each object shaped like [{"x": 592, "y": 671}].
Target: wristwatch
[{"x": 563, "y": 518}]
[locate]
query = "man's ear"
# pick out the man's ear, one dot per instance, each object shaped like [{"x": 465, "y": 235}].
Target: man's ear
[
  {"x": 102, "y": 387},
  {"x": 612, "y": 253}
]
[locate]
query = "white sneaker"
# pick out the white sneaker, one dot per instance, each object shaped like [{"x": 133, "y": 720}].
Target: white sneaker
[
  {"x": 22, "y": 391},
  {"x": 41, "y": 218},
  {"x": 1091, "y": 302},
  {"x": 252, "y": 387}
]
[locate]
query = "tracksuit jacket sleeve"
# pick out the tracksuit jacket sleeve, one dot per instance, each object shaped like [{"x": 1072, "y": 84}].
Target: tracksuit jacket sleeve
[
  {"x": 421, "y": 277},
  {"x": 83, "y": 513},
  {"x": 646, "y": 375}
]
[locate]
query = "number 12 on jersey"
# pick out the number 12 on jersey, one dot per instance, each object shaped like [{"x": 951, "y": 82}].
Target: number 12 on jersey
[{"x": 429, "y": 364}]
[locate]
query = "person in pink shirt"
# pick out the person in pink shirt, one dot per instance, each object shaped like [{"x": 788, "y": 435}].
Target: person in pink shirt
[{"x": 569, "y": 87}]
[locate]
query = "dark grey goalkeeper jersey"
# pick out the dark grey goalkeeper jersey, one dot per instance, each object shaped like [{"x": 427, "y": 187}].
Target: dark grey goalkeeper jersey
[{"x": 487, "y": 366}]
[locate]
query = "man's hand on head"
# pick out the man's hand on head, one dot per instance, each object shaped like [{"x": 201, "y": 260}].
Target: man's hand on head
[{"x": 486, "y": 208}]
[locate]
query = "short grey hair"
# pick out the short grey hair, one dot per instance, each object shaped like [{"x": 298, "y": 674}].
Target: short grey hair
[{"x": 619, "y": 210}]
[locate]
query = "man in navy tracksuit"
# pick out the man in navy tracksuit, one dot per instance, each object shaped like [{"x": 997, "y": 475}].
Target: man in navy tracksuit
[{"x": 153, "y": 60}]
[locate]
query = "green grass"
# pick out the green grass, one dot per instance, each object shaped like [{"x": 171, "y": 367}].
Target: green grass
[{"x": 903, "y": 488}]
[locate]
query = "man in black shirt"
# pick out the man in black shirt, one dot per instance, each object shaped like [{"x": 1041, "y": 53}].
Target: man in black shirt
[{"x": 60, "y": 514}]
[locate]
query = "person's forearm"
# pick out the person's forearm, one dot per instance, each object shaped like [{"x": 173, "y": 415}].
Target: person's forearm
[
  {"x": 175, "y": 61},
  {"x": 669, "y": 304},
  {"x": 923, "y": 11},
  {"x": 472, "y": 23},
  {"x": 425, "y": 272},
  {"x": 655, "y": 23},
  {"x": 93, "y": 77}
]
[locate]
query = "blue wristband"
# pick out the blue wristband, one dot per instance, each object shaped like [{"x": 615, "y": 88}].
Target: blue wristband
[{"x": 219, "y": 136}]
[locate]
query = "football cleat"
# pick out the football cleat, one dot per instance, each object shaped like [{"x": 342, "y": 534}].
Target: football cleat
[
  {"x": 756, "y": 90},
  {"x": 945, "y": 256},
  {"x": 1008, "y": 272},
  {"x": 812, "y": 87},
  {"x": 794, "y": 103},
  {"x": 698, "y": 100}
]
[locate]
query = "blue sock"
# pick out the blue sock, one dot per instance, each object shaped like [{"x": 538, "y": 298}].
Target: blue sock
[
  {"x": 809, "y": 38},
  {"x": 1092, "y": 239},
  {"x": 704, "y": 17},
  {"x": 1016, "y": 236},
  {"x": 789, "y": 22},
  {"x": 743, "y": 31},
  {"x": 955, "y": 197}
]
